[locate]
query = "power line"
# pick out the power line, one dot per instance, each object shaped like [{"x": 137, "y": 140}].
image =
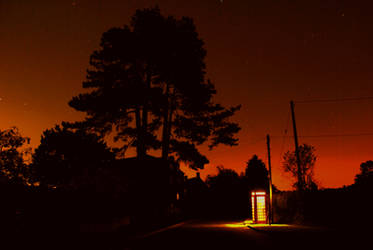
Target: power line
[
  {"x": 326, "y": 135},
  {"x": 337, "y": 100},
  {"x": 338, "y": 135},
  {"x": 334, "y": 100}
]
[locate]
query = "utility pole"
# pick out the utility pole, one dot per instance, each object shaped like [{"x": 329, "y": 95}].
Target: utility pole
[
  {"x": 300, "y": 177},
  {"x": 270, "y": 182}
]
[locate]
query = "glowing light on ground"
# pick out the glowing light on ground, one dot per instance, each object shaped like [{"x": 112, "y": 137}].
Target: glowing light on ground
[
  {"x": 236, "y": 225},
  {"x": 267, "y": 225},
  {"x": 249, "y": 223}
]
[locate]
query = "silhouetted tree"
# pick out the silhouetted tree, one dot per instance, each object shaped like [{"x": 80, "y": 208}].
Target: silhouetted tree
[
  {"x": 14, "y": 175},
  {"x": 256, "y": 174},
  {"x": 227, "y": 193},
  {"x": 223, "y": 179},
  {"x": 149, "y": 80},
  {"x": 12, "y": 153},
  {"x": 66, "y": 157},
  {"x": 365, "y": 177},
  {"x": 307, "y": 162},
  {"x": 195, "y": 197}
]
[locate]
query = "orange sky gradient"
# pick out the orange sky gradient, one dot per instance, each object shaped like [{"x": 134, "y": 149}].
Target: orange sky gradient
[{"x": 260, "y": 54}]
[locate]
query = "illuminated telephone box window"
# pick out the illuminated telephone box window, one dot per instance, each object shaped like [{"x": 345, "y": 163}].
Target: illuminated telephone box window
[{"x": 258, "y": 204}]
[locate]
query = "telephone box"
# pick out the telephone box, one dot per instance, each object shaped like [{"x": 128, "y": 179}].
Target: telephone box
[{"x": 259, "y": 208}]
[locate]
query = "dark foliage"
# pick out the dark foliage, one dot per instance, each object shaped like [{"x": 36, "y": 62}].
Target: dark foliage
[
  {"x": 365, "y": 178},
  {"x": 149, "y": 88},
  {"x": 256, "y": 174},
  {"x": 227, "y": 194},
  {"x": 346, "y": 207},
  {"x": 12, "y": 152},
  {"x": 69, "y": 158},
  {"x": 307, "y": 162}
]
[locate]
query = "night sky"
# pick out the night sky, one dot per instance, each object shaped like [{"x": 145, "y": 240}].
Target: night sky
[{"x": 260, "y": 54}]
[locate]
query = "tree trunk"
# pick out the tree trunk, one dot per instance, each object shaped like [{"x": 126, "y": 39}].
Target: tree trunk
[
  {"x": 144, "y": 128},
  {"x": 167, "y": 124},
  {"x": 139, "y": 143},
  {"x": 144, "y": 118},
  {"x": 165, "y": 131}
]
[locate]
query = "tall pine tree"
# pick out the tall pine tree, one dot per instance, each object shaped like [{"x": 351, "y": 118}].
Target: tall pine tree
[{"x": 149, "y": 87}]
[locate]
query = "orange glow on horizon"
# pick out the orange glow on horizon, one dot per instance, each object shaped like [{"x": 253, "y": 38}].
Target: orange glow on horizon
[{"x": 328, "y": 57}]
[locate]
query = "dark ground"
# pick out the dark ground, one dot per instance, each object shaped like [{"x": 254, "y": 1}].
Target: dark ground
[
  {"x": 196, "y": 235},
  {"x": 232, "y": 235}
]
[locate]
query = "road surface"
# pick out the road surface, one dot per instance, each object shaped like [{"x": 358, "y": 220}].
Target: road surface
[
  {"x": 212, "y": 235},
  {"x": 237, "y": 235}
]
